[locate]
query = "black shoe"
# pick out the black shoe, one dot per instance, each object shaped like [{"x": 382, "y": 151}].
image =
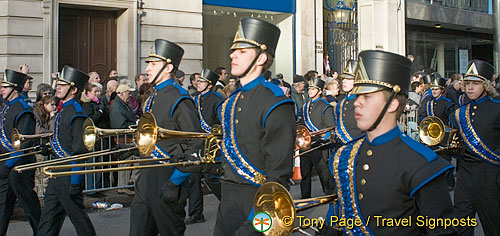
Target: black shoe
[{"x": 194, "y": 220}]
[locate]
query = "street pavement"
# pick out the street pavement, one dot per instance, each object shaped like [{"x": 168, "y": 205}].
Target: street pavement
[{"x": 116, "y": 222}]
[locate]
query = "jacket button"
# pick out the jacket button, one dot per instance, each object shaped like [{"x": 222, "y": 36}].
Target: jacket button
[
  {"x": 472, "y": 120},
  {"x": 360, "y": 196},
  {"x": 366, "y": 167},
  {"x": 475, "y": 107},
  {"x": 363, "y": 181},
  {"x": 236, "y": 121},
  {"x": 345, "y": 108},
  {"x": 241, "y": 97},
  {"x": 239, "y": 109},
  {"x": 369, "y": 153},
  {"x": 473, "y": 113},
  {"x": 346, "y": 102}
]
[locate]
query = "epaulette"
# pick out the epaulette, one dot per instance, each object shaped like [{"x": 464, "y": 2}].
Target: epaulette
[
  {"x": 182, "y": 91},
  {"x": 447, "y": 99},
  {"x": 216, "y": 94},
  {"x": 24, "y": 104},
  {"x": 421, "y": 149},
  {"x": 277, "y": 91},
  {"x": 77, "y": 116},
  {"x": 185, "y": 96},
  {"x": 272, "y": 108},
  {"x": 78, "y": 107},
  {"x": 494, "y": 100}
]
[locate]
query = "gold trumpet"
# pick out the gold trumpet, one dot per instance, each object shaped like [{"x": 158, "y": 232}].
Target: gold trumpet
[
  {"x": 91, "y": 133},
  {"x": 147, "y": 134},
  {"x": 273, "y": 199},
  {"x": 18, "y": 139}
]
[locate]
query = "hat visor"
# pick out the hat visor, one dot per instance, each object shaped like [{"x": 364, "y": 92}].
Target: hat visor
[
  {"x": 314, "y": 86},
  {"x": 346, "y": 76},
  {"x": 151, "y": 59},
  {"x": 472, "y": 78},
  {"x": 436, "y": 86},
  {"x": 241, "y": 45},
  {"x": 201, "y": 79},
  {"x": 63, "y": 82},
  {"x": 366, "y": 88},
  {"x": 6, "y": 84}
]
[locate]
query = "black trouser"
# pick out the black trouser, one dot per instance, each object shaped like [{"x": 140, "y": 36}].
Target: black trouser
[
  {"x": 234, "y": 208},
  {"x": 318, "y": 160},
  {"x": 195, "y": 206},
  {"x": 20, "y": 186},
  {"x": 149, "y": 214},
  {"x": 57, "y": 204},
  {"x": 478, "y": 190}
]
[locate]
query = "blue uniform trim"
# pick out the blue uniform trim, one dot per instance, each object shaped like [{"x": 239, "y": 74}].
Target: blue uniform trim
[
  {"x": 443, "y": 98},
  {"x": 22, "y": 113},
  {"x": 254, "y": 83},
  {"x": 76, "y": 179},
  {"x": 483, "y": 99},
  {"x": 272, "y": 108},
  {"x": 12, "y": 162},
  {"x": 74, "y": 102},
  {"x": 326, "y": 108},
  {"x": 429, "y": 179},
  {"x": 494, "y": 100},
  {"x": 181, "y": 89},
  {"x": 76, "y": 116},
  {"x": 251, "y": 215},
  {"x": 18, "y": 99},
  {"x": 384, "y": 138},
  {"x": 178, "y": 177},
  {"x": 419, "y": 148},
  {"x": 177, "y": 103},
  {"x": 164, "y": 84},
  {"x": 277, "y": 91},
  {"x": 214, "y": 93},
  {"x": 25, "y": 105}
]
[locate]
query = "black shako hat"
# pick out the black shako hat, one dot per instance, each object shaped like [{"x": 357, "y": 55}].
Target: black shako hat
[
  {"x": 209, "y": 76},
  {"x": 14, "y": 79},
  {"x": 378, "y": 70},
  {"x": 253, "y": 33},
  {"x": 479, "y": 71},
  {"x": 317, "y": 83},
  {"x": 164, "y": 50},
  {"x": 349, "y": 69},
  {"x": 298, "y": 78},
  {"x": 437, "y": 81},
  {"x": 73, "y": 77}
]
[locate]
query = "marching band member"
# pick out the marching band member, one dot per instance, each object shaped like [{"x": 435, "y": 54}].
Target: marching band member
[
  {"x": 258, "y": 125},
  {"x": 413, "y": 176},
  {"x": 160, "y": 193},
  {"x": 477, "y": 188},
  {"x": 16, "y": 114},
  {"x": 317, "y": 114},
  {"x": 346, "y": 129},
  {"x": 438, "y": 105},
  {"x": 206, "y": 102},
  {"x": 64, "y": 194}
]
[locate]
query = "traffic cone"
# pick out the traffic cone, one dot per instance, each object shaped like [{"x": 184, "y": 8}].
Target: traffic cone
[{"x": 296, "y": 169}]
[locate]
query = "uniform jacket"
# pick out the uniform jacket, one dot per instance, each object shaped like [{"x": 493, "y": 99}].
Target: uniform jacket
[
  {"x": 393, "y": 177},
  {"x": 484, "y": 117},
  {"x": 440, "y": 107},
  {"x": 206, "y": 105},
  {"x": 346, "y": 127},
  {"x": 68, "y": 139},
  {"x": 16, "y": 114},
  {"x": 258, "y": 123}
]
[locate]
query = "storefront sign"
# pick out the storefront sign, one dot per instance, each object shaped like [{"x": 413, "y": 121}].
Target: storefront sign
[{"x": 286, "y": 6}]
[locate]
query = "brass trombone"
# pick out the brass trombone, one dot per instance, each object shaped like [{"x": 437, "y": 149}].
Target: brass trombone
[
  {"x": 147, "y": 134},
  {"x": 17, "y": 139},
  {"x": 91, "y": 133},
  {"x": 273, "y": 199},
  {"x": 303, "y": 141}
]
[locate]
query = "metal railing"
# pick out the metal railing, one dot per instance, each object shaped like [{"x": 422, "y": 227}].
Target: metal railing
[{"x": 96, "y": 182}]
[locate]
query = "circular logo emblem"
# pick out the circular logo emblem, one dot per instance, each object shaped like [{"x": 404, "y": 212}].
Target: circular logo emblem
[{"x": 262, "y": 222}]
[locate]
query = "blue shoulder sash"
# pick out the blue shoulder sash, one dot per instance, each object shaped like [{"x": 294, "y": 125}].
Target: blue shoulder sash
[
  {"x": 230, "y": 148},
  {"x": 472, "y": 139},
  {"x": 307, "y": 118},
  {"x": 344, "y": 172},
  {"x": 158, "y": 152},
  {"x": 58, "y": 150},
  {"x": 204, "y": 125},
  {"x": 4, "y": 137},
  {"x": 340, "y": 130}
]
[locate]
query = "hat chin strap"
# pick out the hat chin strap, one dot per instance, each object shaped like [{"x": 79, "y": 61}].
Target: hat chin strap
[
  {"x": 158, "y": 74},
  {"x": 67, "y": 93},
  {"x": 253, "y": 63},
  {"x": 382, "y": 114}
]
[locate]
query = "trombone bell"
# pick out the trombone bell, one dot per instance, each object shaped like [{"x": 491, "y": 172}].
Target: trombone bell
[
  {"x": 91, "y": 133},
  {"x": 18, "y": 138},
  {"x": 273, "y": 199}
]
